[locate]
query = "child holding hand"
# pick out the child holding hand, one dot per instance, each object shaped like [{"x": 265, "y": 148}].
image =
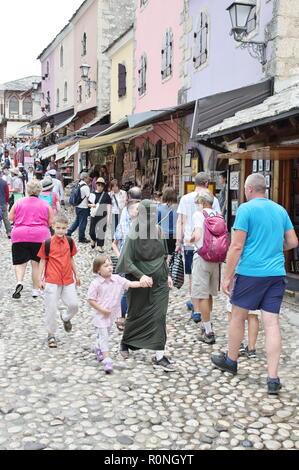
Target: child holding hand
[{"x": 104, "y": 295}]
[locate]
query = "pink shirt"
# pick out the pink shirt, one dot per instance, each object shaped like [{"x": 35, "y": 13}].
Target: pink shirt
[
  {"x": 107, "y": 293},
  {"x": 31, "y": 221}
]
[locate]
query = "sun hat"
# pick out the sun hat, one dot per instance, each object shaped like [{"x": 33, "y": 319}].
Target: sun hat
[
  {"x": 16, "y": 172},
  {"x": 20, "y": 165},
  {"x": 47, "y": 183},
  {"x": 101, "y": 181},
  {"x": 52, "y": 172}
]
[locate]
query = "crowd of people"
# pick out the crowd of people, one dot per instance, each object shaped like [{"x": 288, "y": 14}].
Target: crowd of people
[{"x": 146, "y": 233}]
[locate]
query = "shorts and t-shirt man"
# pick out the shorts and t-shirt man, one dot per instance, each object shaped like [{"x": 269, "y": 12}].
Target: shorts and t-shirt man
[{"x": 260, "y": 279}]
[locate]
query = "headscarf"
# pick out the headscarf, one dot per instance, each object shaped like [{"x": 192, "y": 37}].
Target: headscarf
[{"x": 144, "y": 251}]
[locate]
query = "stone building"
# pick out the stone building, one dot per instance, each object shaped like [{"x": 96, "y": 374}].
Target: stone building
[{"x": 16, "y": 105}]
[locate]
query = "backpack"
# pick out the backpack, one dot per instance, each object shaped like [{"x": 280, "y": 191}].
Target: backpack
[
  {"x": 76, "y": 196},
  {"x": 48, "y": 199},
  {"x": 48, "y": 245},
  {"x": 215, "y": 240}
]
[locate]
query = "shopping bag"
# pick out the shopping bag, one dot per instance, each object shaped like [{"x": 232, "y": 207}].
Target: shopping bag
[{"x": 176, "y": 270}]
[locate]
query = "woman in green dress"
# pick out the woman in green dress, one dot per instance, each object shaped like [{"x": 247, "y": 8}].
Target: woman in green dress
[{"x": 144, "y": 259}]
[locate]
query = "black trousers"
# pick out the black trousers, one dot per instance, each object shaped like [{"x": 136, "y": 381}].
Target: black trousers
[{"x": 98, "y": 228}]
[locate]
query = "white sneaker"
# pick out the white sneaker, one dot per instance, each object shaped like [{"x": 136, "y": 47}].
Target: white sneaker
[{"x": 35, "y": 293}]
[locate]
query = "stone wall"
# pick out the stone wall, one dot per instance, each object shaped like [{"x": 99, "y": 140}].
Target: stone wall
[
  {"x": 114, "y": 18},
  {"x": 283, "y": 33}
]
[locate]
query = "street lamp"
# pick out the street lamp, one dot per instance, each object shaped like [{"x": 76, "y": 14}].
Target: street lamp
[
  {"x": 239, "y": 15},
  {"x": 85, "y": 69},
  {"x": 35, "y": 85}
]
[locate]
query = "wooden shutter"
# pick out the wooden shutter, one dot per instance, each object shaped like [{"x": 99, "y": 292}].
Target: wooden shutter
[
  {"x": 164, "y": 55},
  {"x": 122, "y": 80}
]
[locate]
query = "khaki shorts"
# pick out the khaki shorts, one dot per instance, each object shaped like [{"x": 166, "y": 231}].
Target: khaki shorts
[{"x": 205, "y": 278}]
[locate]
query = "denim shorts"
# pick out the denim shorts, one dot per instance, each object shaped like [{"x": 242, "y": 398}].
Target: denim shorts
[
  {"x": 259, "y": 293},
  {"x": 188, "y": 261}
]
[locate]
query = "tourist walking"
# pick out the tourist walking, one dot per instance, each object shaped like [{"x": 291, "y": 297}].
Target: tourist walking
[
  {"x": 4, "y": 198},
  {"x": 39, "y": 170},
  {"x": 100, "y": 210},
  {"x": 82, "y": 210},
  {"x": 104, "y": 295},
  {"x": 185, "y": 227},
  {"x": 32, "y": 218},
  {"x": 119, "y": 201},
  {"x": 59, "y": 279},
  {"x": 167, "y": 217},
  {"x": 17, "y": 185},
  {"x": 49, "y": 196},
  {"x": 58, "y": 186},
  {"x": 144, "y": 258},
  {"x": 262, "y": 232},
  {"x": 206, "y": 269}
]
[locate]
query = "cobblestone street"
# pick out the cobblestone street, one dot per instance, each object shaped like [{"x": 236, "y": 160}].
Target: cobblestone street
[{"x": 63, "y": 400}]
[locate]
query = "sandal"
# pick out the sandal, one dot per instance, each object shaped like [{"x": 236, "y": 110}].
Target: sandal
[
  {"x": 52, "y": 342},
  {"x": 120, "y": 323}
]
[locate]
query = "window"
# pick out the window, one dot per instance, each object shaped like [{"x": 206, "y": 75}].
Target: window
[
  {"x": 200, "y": 55},
  {"x": 65, "y": 92},
  {"x": 48, "y": 70},
  {"x": 80, "y": 94},
  {"x": 48, "y": 105},
  {"x": 122, "y": 80},
  {"x": 27, "y": 106},
  {"x": 84, "y": 45},
  {"x": 61, "y": 56},
  {"x": 58, "y": 98},
  {"x": 167, "y": 54},
  {"x": 143, "y": 3},
  {"x": 13, "y": 106},
  {"x": 142, "y": 75},
  {"x": 252, "y": 20}
]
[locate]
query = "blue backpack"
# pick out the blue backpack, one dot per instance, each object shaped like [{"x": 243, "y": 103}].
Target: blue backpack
[{"x": 76, "y": 196}]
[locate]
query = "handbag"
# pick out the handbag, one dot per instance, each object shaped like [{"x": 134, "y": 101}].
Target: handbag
[
  {"x": 114, "y": 260},
  {"x": 176, "y": 270}
]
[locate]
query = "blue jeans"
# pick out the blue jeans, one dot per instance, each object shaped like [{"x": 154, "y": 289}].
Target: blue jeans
[{"x": 81, "y": 222}]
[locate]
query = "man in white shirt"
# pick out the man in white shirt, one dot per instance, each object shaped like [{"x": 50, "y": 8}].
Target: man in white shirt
[
  {"x": 185, "y": 228},
  {"x": 58, "y": 187},
  {"x": 82, "y": 210}
]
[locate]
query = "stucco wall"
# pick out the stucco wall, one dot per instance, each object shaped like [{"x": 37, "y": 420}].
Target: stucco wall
[
  {"x": 151, "y": 23},
  {"x": 120, "y": 107},
  {"x": 228, "y": 66},
  {"x": 65, "y": 73}
]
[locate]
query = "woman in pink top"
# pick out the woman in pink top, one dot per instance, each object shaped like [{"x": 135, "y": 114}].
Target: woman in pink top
[{"x": 32, "y": 218}]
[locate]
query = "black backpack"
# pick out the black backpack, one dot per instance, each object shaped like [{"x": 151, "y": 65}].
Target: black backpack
[
  {"x": 76, "y": 196},
  {"x": 48, "y": 245}
]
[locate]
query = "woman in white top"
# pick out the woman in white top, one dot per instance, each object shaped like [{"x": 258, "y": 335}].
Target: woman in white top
[{"x": 119, "y": 201}]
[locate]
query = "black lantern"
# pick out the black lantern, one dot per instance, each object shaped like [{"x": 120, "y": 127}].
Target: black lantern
[{"x": 239, "y": 15}]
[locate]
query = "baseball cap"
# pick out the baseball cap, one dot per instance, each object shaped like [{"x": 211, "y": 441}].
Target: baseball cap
[{"x": 52, "y": 172}]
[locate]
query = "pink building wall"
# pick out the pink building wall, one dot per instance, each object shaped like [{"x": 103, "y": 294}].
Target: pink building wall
[
  {"x": 87, "y": 23},
  {"x": 49, "y": 83},
  {"x": 152, "y": 20}
]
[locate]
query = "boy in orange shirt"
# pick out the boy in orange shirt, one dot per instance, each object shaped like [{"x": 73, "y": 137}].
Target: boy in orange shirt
[{"x": 58, "y": 278}]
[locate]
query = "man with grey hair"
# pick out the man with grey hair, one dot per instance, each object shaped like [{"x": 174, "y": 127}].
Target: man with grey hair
[
  {"x": 185, "y": 228},
  {"x": 205, "y": 274},
  {"x": 82, "y": 210},
  {"x": 262, "y": 232}
]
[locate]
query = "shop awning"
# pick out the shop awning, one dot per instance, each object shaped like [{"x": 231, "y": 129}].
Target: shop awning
[
  {"x": 151, "y": 117},
  {"x": 110, "y": 139},
  {"x": 60, "y": 126},
  {"x": 214, "y": 109},
  {"x": 282, "y": 152},
  {"x": 67, "y": 152},
  {"x": 48, "y": 152}
]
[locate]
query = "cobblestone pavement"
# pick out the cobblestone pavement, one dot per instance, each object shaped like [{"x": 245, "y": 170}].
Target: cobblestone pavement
[{"x": 62, "y": 399}]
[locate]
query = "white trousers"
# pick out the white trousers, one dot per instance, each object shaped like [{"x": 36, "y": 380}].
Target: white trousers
[
  {"x": 54, "y": 293},
  {"x": 103, "y": 335}
]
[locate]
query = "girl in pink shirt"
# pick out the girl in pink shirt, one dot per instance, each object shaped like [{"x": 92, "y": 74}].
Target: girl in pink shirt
[{"x": 104, "y": 295}]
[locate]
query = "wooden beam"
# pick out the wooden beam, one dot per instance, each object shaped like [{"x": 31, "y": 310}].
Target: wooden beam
[{"x": 267, "y": 153}]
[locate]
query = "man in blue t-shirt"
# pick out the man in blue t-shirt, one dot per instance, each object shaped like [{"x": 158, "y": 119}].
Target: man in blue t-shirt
[{"x": 255, "y": 275}]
